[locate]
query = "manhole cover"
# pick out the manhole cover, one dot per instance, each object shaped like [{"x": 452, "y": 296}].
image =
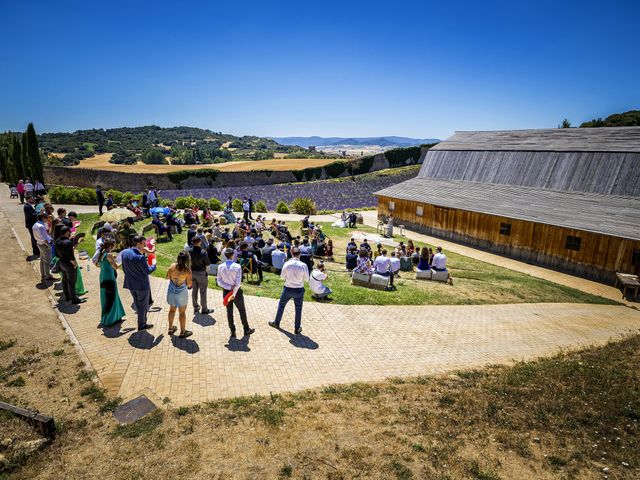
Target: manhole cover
[{"x": 134, "y": 410}]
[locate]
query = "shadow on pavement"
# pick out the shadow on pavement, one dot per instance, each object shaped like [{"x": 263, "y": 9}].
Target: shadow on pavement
[
  {"x": 68, "y": 308},
  {"x": 144, "y": 340},
  {"x": 238, "y": 344},
  {"x": 204, "y": 320},
  {"x": 185, "y": 344},
  {"x": 301, "y": 341},
  {"x": 116, "y": 330}
]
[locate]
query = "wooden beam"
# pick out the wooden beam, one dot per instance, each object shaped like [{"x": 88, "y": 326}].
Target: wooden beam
[{"x": 44, "y": 424}]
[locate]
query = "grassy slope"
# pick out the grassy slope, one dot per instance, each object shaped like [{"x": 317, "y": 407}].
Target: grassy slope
[
  {"x": 475, "y": 283},
  {"x": 568, "y": 416}
]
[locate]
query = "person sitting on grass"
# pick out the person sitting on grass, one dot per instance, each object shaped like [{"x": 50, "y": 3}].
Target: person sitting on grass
[
  {"x": 439, "y": 263},
  {"x": 364, "y": 263},
  {"x": 319, "y": 289},
  {"x": 423, "y": 263},
  {"x": 352, "y": 259},
  {"x": 382, "y": 266}
]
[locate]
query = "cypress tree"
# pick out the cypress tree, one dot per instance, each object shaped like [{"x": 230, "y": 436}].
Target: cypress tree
[
  {"x": 15, "y": 157},
  {"x": 32, "y": 156},
  {"x": 3, "y": 163}
]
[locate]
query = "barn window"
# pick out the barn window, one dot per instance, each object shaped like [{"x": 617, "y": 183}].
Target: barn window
[
  {"x": 573, "y": 243},
  {"x": 392, "y": 206},
  {"x": 505, "y": 228},
  {"x": 419, "y": 211}
]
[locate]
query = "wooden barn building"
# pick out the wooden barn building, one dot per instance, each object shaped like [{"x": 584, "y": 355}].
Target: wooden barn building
[{"x": 568, "y": 199}]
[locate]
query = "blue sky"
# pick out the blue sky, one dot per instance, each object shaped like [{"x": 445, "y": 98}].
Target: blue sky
[{"x": 350, "y": 68}]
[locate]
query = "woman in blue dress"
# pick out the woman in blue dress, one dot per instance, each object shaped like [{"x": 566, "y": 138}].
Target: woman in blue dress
[
  {"x": 112, "y": 309},
  {"x": 179, "y": 275}
]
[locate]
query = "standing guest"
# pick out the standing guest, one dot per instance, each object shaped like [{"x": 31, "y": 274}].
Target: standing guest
[
  {"x": 153, "y": 197},
  {"x": 278, "y": 258},
  {"x": 229, "y": 279},
  {"x": 353, "y": 218},
  {"x": 294, "y": 273},
  {"x": 68, "y": 266},
  {"x": 20, "y": 188},
  {"x": 30, "y": 219},
  {"x": 136, "y": 278},
  {"x": 199, "y": 263},
  {"x": 112, "y": 310},
  {"x": 28, "y": 188},
  {"x": 44, "y": 240},
  {"x": 230, "y": 204},
  {"x": 319, "y": 289},
  {"x": 62, "y": 216},
  {"x": 39, "y": 204},
  {"x": 100, "y": 198},
  {"x": 382, "y": 266},
  {"x": 246, "y": 209},
  {"x": 109, "y": 202},
  {"x": 145, "y": 200},
  {"x": 250, "y": 200},
  {"x": 390, "y": 226},
  {"x": 439, "y": 263},
  {"x": 180, "y": 280},
  {"x": 38, "y": 188}
]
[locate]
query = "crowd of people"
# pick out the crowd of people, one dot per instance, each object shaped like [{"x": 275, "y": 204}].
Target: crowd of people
[{"x": 225, "y": 246}]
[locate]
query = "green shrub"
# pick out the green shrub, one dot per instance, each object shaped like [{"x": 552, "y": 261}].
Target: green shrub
[
  {"x": 363, "y": 165},
  {"x": 236, "y": 205},
  {"x": 335, "y": 169},
  {"x": 78, "y": 196},
  {"x": 261, "y": 206},
  {"x": 303, "y": 206},
  {"x": 215, "y": 204},
  {"x": 399, "y": 157},
  {"x": 201, "y": 203},
  {"x": 185, "y": 202},
  {"x": 282, "y": 207}
]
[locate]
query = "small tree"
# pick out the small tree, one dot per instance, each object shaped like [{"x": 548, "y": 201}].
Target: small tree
[
  {"x": 261, "y": 206},
  {"x": 215, "y": 204},
  {"x": 565, "y": 124},
  {"x": 236, "y": 205},
  {"x": 303, "y": 206}
]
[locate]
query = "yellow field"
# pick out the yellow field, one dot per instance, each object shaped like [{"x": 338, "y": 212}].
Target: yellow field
[{"x": 101, "y": 162}]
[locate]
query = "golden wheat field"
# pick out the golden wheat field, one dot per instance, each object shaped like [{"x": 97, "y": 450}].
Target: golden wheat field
[{"x": 101, "y": 162}]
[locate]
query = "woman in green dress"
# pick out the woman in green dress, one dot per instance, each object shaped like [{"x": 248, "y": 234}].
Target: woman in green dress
[{"x": 112, "y": 309}]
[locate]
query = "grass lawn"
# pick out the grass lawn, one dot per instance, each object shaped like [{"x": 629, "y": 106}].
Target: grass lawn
[{"x": 475, "y": 282}]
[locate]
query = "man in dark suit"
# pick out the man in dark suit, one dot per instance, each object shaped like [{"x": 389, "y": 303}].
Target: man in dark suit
[
  {"x": 100, "y": 197},
  {"x": 68, "y": 266},
  {"x": 136, "y": 278},
  {"x": 30, "y": 219}
]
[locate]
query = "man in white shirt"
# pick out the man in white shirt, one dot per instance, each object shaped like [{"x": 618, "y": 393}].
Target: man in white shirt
[
  {"x": 439, "y": 263},
  {"x": 229, "y": 279},
  {"x": 153, "y": 198},
  {"x": 395, "y": 264},
  {"x": 246, "y": 209},
  {"x": 28, "y": 188},
  {"x": 319, "y": 289},
  {"x": 294, "y": 273},
  {"x": 382, "y": 266},
  {"x": 278, "y": 258},
  {"x": 43, "y": 240}
]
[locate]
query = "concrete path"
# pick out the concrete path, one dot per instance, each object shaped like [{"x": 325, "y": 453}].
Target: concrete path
[{"x": 339, "y": 343}]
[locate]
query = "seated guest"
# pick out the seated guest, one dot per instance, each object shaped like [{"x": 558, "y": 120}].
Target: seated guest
[
  {"x": 188, "y": 218},
  {"x": 259, "y": 243},
  {"x": 365, "y": 245},
  {"x": 172, "y": 221},
  {"x": 364, "y": 263},
  {"x": 200, "y": 234},
  {"x": 192, "y": 232},
  {"x": 424, "y": 264},
  {"x": 267, "y": 250},
  {"x": 439, "y": 263},
  {"x": 352, "y": 259},
  {"x": 320, "y": 235},
  {"x": 109, "y": 203},
  {"x": 249, "y": 240},
  {"x": 125, "y": 231},
  {"x": 395, "y": 263},
  {"x": 351, "y": 244},
  {"x": 305, "y": 222},
  {"x": 161, "y": 228},
  {"x": 305, "y": 253},
  {"x": 319, "y": 289},
  {"x": 411, "y": 248},
  {"x": 256, "y": 265},
  {"x": 378, "y": 250},
  {"x": 382, "y": 266},
  {"x": 278, "y": 258},
  {"x": 213, "y": 254},
  {"x": 225, "y": 236},
  {"x": 430, "y": 256},
  {"x": 259, "y": 224}
]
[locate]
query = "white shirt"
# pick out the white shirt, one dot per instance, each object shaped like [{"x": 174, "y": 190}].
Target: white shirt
[
  {"x": 40, "y": 232},
  {"x": 229, "y": 276},
  {"x": 439, "y": 261},
  {"x": 28, "y": 187},
  {"x": 294, "y": 273},
  {"x": 382, "y": 264},
  {"x": 246, "y": 207},
  {"x": 278, "y": 258},
  {"x": 249, "y": 240},
  {"x": 315, "y": 281},
  {"x": 395, "y": 264},
  {"x": 152, "y": 195}
]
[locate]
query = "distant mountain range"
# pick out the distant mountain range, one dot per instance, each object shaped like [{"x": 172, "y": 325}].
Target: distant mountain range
[{"x": 390, "y": 141}]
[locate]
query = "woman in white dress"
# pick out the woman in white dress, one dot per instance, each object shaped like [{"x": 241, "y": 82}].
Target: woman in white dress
[{"x": 342, "y": 223}]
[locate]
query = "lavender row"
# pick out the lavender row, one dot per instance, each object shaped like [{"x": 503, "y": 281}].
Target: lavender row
[{"x": 327, "y": 195}]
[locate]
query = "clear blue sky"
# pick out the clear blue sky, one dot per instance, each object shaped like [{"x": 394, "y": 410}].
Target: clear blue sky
[{"x": 414, "y": 68}]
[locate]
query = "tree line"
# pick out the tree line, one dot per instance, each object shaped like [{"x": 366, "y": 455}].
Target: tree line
[{"x": 20, "y": 156}]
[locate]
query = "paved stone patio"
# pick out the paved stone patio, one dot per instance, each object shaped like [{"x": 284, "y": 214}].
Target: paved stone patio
[{"x": 339, "y": 343}]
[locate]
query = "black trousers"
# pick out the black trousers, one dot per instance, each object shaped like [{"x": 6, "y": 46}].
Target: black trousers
[
  {"x": 34, "y": 244},
  {"x": 69, "y": 277},
  {"x": 239, "y": 303},
  {"x": 100, "y": 207}
]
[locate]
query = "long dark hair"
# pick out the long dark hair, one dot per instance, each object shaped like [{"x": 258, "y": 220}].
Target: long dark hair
[
  {"x": 183, "y": 264},
  {"x": 106, "y": 244}
]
